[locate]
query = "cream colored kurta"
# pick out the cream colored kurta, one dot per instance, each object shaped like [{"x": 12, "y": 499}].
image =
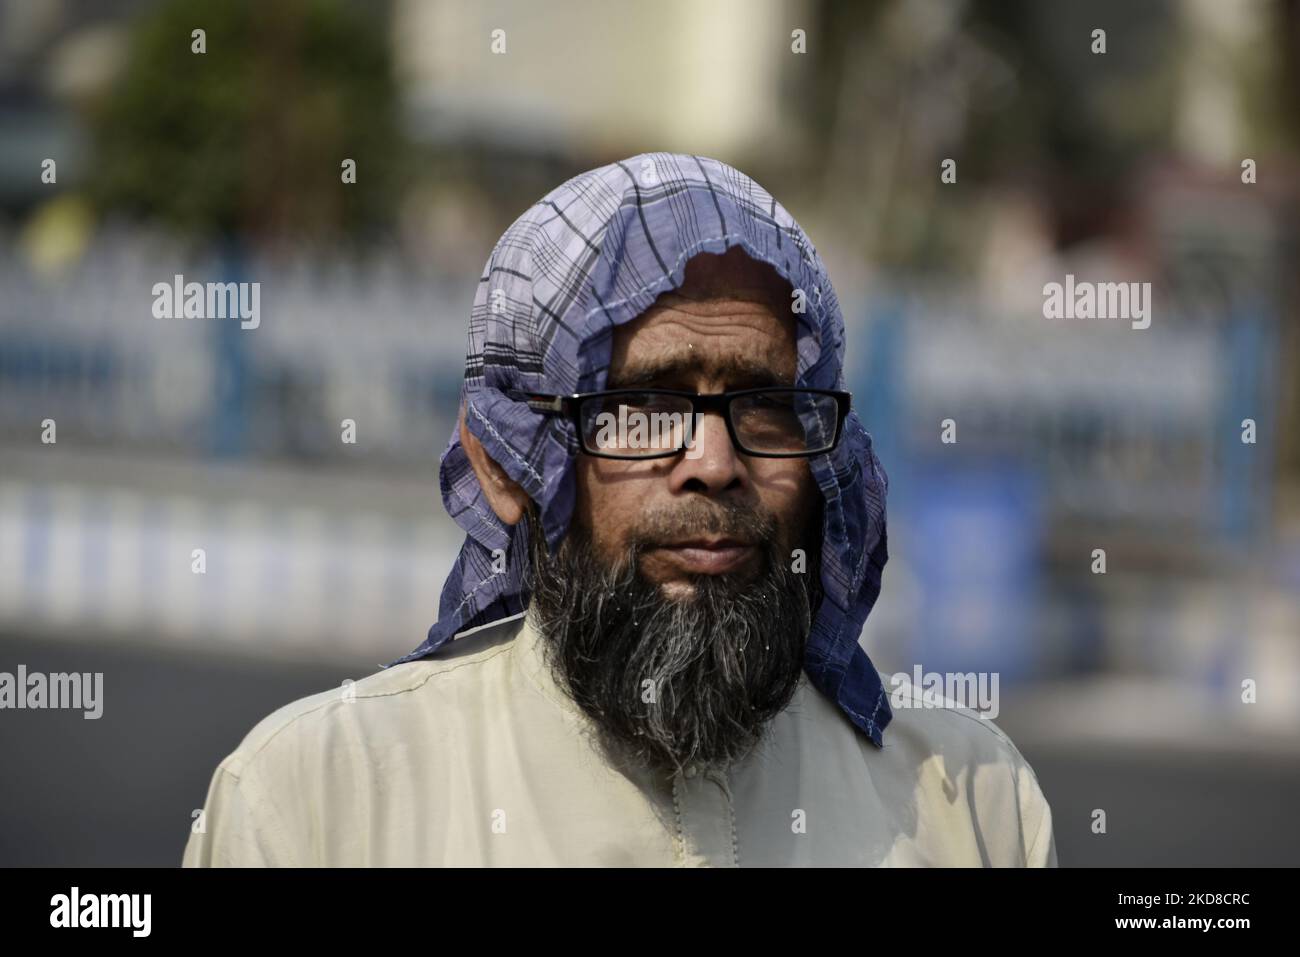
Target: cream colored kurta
[{"x": 476, "y": 757}]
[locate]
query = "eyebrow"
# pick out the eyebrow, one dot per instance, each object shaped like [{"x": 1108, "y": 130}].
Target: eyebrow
[{"x": 739, "y": 372}]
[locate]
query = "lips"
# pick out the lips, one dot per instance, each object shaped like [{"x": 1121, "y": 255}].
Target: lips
[
  {"x": 709, "y": 556},
  {"x": 708, "y": 543}
]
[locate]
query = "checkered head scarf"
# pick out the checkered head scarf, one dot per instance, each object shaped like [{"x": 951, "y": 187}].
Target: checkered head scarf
[{"x": 594, "y": 253}]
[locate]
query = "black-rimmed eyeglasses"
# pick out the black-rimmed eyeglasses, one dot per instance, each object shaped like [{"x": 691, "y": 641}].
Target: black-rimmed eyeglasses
[{"x": 770, "y": 422}]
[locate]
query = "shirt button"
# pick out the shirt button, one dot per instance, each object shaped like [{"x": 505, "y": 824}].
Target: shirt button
[{"x": 691, "y": 770}]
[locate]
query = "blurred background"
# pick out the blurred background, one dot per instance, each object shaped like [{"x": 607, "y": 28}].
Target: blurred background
[{"x": 325, "y": 559}]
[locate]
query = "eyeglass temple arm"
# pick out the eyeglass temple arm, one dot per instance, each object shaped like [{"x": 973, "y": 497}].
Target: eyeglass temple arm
[{"x": 543, "y": 403}]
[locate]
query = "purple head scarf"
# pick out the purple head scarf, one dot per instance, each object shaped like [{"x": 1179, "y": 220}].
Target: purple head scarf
[{"x": 594, "y": 253}]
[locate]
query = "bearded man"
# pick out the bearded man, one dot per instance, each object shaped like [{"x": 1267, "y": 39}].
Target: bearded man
[{"x": 647, "y": 651}]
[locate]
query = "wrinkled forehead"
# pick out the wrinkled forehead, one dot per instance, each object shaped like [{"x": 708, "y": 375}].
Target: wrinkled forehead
[{"x": 729, "y": 321}]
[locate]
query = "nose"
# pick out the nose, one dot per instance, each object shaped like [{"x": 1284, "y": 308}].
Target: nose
[{"x": 712, "y": 464}]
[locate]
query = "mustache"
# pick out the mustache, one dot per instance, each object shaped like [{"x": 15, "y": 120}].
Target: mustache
[{"x": 668, "y": 525}]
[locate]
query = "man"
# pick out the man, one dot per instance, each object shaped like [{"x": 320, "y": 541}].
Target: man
[{"x": 675, "y": 533}]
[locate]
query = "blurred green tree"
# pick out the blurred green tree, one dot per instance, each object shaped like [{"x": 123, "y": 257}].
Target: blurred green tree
[{"x": 248, "y": 138}]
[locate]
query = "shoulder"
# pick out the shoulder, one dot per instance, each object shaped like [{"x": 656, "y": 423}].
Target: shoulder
[
  {"x": 323, "y": 759},
  {"x": 382, "y": 703},
  {"x": 952, "y": 748},
  {"x": 927, "y": 720}
]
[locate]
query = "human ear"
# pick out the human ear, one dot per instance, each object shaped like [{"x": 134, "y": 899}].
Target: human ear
[{"x": 504, "y": 494}]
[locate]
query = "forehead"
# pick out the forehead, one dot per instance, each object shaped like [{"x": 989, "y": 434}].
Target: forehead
[{"x": 730, "y": 318}]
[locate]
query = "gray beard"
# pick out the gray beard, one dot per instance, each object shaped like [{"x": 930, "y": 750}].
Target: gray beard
[{"x": 675, "y": 682}]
